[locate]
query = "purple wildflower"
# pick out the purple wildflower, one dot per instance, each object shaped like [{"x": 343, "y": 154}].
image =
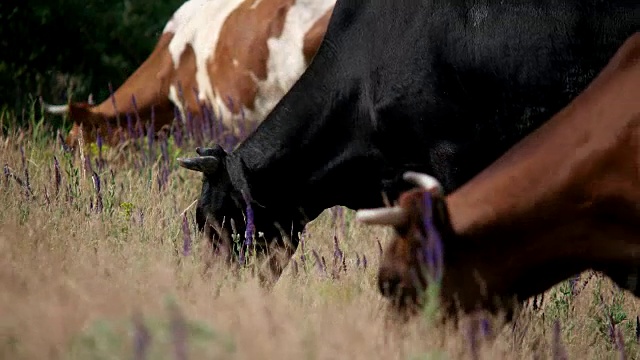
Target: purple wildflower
[
  {"x": 141, "y": 337},
  {"x": 611, "y": 327},
  {"x": 181, "y": 92},
  {"x": 163, "y": 174},
  {"x": 250, "y": 227},
  {"x": 115, "y": 107},
  {"x": 485, "y": 327},
  {"x": 96, "y": 182},
  {"x": 130, "y": 126},
  {"x": 113, "y": 102},
  {"x": 620, "y": 345},
  {"x": 473, "y": 339},
  {"x": 7, "y": 174},
  {"x": 432, "y": 248},
  {"x": 338, "y": 255},
  {"x": 319, "y": 265},
  {"x": 220, "y": 121},
  {"x": 294, "y": 267},
  {"x": 25, "y": 168},
  {"x": 164, "y": 149},
  {"x": 558, "y": 351},
  {"x": 209, "y": 116},
  {"x": 65, "y": 148},
  {"x": 177, "y": 126},
  {"x": 364, "y": 261},
  {"x": 109, "y": 129},
  {"x": 179, "y": 333},
  {"x": 99, "y": 143},
  {"x": 87, "y": 163},
  {"x": 150, "y": 134},
  {"x": 334, "y": 216},
  {"x": 573, "y": 284},
  {"x": 186, "y": 236},
  {"x": 134, "y": 103},
  {"x": 24, "y": 163},
  {"x": 303, "y": 257}
]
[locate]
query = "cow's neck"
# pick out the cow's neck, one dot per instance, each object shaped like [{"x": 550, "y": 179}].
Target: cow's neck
[
  {"x": 546, "y": 209},
  {"x": 307, "y": 156}
]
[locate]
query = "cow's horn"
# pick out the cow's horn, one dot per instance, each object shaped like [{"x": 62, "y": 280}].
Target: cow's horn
[
  {"x": 56, "y": 109},
  {"x": 382, "y": 216},
  {"x": 204, "y": 164},
  {"x": 423, "y": 180}
]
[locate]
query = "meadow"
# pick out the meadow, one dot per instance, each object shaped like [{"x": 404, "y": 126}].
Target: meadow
[{"x": 100, "y": 259}]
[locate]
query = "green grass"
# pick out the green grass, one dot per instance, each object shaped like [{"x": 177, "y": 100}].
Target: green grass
[{"x": 77, "y": 283}]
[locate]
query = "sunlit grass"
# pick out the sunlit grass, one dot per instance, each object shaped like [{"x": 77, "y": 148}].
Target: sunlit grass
[{"x": 102, "y": 274}]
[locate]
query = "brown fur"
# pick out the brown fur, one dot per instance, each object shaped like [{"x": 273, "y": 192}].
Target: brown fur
[
  {"x": 563, "y": 200},
  {"x": 248, "y": 47},
  {"x": 96, "y": 117},
  {"x": 243, "y": 38},
  {"x": 314, "y": 36}
]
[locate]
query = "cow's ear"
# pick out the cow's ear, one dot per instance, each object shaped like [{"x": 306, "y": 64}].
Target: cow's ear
[
  {"x": 216, "y": 150},
  {"x": 80, "y": 113}
]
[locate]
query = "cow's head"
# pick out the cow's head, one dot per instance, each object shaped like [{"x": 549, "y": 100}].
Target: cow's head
[
  {"x": 219, "y": 209},
  {"x": 415, "y": 255}
]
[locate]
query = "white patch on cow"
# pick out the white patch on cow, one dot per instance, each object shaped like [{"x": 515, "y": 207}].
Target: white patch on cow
[
  {"x": 175, "y": 99},
  {"x": 183, "y": 15},
  {"x": 286, "y": 61},
  {"x": 198, "y": 23},
  {"x": 255, "y": 4},
  {"x": 285, "y": 64}
]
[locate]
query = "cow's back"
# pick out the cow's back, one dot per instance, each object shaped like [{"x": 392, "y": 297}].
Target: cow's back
[{"x": 494, "y": 70}]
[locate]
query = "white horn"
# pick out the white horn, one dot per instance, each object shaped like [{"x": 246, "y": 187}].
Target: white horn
[
  {"x": 426, "y": 181},
  {"x": 56, "y": 109},
  {"x": 382, "y": 216}
]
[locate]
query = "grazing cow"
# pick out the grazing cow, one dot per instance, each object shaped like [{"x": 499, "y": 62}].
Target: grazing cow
[
  {"x": 440, "y": 87},
  {"x": 563, "y": 200},
  {"x": 241, "y": 56}
]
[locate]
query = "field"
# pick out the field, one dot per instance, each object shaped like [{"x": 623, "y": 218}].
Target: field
[{"x": 97, "y": 261}]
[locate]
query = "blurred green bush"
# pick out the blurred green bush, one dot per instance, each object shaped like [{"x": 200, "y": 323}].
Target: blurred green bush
[{"x": 58, "y": 48}]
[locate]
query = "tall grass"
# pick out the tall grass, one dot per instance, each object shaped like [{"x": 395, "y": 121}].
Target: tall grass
[{"x": 99, "y": 260}]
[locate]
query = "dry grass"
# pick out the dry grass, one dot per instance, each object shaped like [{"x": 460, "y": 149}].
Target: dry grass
[{"x": 78, "y": 284}]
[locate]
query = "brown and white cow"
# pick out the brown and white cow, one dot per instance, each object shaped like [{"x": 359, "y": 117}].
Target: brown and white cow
[
  {"x": 563, "y": 200},
  {"x": 242, "y": 56}
]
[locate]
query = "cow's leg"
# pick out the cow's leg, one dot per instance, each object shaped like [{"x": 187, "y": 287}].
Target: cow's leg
[
  {"x": 272, "y": 258},
  {"x": 276, "y": 260}
]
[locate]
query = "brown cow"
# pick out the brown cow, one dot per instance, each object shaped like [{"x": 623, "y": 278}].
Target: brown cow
[
  {"x": 241, "y": 56},
  {"x": 563, "y": 200}
]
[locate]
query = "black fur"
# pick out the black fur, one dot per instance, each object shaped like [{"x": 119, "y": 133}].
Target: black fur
[{"x": 442, "y": 87}]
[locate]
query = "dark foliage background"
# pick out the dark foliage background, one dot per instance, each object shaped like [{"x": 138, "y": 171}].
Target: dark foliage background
[{"x": 57, "y": 48}]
